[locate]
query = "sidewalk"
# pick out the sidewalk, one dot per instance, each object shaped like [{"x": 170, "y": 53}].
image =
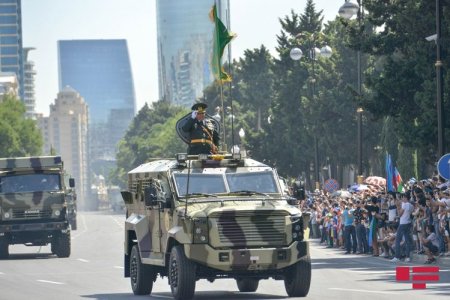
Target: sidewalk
[
  {"x": 443, "y": 261},
  {"x": 440, "y": 260}
]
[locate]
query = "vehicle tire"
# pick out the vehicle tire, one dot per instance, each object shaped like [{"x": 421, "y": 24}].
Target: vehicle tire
[
  {"x": 73, "y": 224},
  {"x": 298, "y": 278},
  {"x": 141, "y": 275},
  {"x": 61, "y": 245},
  {"x": 181, "y": 274},
  {"x": 4, "y": 248},
  {"x": 247, "y": 285}
]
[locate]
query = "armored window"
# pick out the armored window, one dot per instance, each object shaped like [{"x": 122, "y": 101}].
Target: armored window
[
  {"x": 200, "y": 183},
  {"x": 263, "y": 182},
  {"x": 26, "y": 183}
]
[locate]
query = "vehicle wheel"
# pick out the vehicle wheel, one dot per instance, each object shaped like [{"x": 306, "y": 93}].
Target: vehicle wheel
[
  {"x": 298, "y": 278},
  {"x": 181, "y": 274},
  {"x": 141, "y": 275},
  {"x": 61, "y": 245},
  {"x": 247, "y": 284},
  {"x": 73, "y": 224},
  {"x": 4, "y": 245}
]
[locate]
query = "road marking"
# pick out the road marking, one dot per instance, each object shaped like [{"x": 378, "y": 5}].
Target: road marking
[
  {"x": 1, "y": 273},
  {"x": 362, "y": 291},
  {"x": 119, "y": 267},
  {"x": 383, "y": 272},
  {"x": 83, "y": 260},
  {"x": 52, "y": 282}
]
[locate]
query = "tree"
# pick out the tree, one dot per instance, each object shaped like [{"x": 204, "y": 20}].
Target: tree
[
  {"x": 403, "y": 79},
  {"x": 19, "y": 136},
  {"x": 151, "y": 135},
  {"x": 295, "y": 110}
]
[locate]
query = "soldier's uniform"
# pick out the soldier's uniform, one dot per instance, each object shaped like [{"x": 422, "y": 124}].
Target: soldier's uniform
[{"x": 203, "y": 138}]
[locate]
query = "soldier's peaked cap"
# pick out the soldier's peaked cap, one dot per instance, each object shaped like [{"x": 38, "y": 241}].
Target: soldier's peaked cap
[{"x": 200, "y": 107}]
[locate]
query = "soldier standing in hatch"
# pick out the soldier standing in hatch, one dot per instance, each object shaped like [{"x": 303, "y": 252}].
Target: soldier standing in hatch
[{"x": 204, "y": 139}]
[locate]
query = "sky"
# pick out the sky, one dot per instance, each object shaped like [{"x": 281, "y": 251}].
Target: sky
[{"x": 44, "y": 22}]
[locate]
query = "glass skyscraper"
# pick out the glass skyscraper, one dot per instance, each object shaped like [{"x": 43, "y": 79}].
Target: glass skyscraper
[
  {"x": 29, "y": 98},
  {"x": 11, "y": 52},
  {"x": 185, "y": 39},
  {"x": 100, "y": 71}
]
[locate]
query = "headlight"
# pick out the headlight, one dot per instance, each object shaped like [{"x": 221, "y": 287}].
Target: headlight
[
  {"x": 297, "y": 227},
  {"x": 6, "y": 215},
  {"x": 57, "y": 213},
  {"x": 200, "y": 231}
]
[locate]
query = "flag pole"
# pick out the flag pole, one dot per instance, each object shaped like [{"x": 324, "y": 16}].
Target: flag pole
[
  {"x": 219, "y": 66},
  {"x": 230, "y": 71}
]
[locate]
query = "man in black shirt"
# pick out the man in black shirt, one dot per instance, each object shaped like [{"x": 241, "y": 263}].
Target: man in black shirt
[{"x": 360, "y": 229}]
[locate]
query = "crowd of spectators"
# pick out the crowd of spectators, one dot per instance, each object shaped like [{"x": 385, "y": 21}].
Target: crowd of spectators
[{"x": 386, "y": 224}]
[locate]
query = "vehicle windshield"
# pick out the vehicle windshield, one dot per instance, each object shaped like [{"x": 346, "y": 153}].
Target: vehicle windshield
[
  {"x": 200, "y": 183},
  {"x": 258, "y": 182},
  {"x": 261, "y": 182},
  {"x": 24, "y": 183}
]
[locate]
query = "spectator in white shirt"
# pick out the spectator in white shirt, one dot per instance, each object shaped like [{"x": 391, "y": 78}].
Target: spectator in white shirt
[{"x": 404, "y": 229}]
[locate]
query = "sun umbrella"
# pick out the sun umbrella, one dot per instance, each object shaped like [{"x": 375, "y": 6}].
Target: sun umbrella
[
  {"x": 342, "y": 194},
  {"x": 358, "y": 187},
  {"x": 375, "y": 180}
]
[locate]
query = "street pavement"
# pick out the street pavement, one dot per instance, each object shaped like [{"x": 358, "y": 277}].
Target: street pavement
[{"x": 95, "y": 271}]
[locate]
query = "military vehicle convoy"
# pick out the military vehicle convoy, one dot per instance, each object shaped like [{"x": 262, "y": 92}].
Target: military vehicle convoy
[
  {"x": 212, "y": 217},
  {"x": 33, "y": 204}
]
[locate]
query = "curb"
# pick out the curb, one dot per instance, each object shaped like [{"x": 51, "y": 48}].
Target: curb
[
  {"x": 443, "y": 261},
  {"x": 440, "y": 260}
]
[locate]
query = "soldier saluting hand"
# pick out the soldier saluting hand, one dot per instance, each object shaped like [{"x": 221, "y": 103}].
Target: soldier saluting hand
[{"x": 204, "y": 139}]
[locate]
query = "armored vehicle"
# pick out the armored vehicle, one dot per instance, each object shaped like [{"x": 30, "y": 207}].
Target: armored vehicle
[
  {"x": 212, "y": 217},
  {"x": 33, "y": 204}
]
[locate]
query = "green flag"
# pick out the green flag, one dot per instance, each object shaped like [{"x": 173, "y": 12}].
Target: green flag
[{"x": 221, "y": 38}]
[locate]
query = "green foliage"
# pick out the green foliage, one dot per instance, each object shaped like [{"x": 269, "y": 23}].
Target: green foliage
[
  {"x": 283, "y": 104},
  {"x": 402, "y": 82},
  {"x": 19, "y": 136},
  {"x": 151, "y": 135}
]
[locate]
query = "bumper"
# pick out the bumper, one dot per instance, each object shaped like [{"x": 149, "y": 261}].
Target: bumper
[
  {"x": 260, "y": 259},
  {"x": 47, "y": 226}
]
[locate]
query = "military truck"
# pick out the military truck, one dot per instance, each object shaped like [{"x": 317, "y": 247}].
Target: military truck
[
  {"x": 33, "y": 204},
  {"x": 212, "y": 217}
]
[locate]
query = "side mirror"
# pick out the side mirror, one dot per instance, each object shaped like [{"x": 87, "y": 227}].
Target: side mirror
[
  {"x": 72, "y": 182},
  {"x": 150, "y": 196},
  {"x": 127, "y": 197}
]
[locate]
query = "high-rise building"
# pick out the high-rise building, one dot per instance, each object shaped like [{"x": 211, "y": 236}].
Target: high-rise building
[
  {"x": 65, "y": 133},
  {"x": 185, "y": 39},
  {"x": 100, "y": 71},
  {"x": 8, "y": 85},
  {"x": 11, "y": 52},
  {"x": 28, "y": 84}
]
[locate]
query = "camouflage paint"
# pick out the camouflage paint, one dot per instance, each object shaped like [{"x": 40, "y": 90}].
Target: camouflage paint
[
  {"x": 34, "y": 206},
  {"x": 255, "y": 235}
]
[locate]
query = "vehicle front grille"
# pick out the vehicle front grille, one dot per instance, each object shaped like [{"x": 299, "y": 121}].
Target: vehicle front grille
[
  {"x": 31, "y": 214},
  {"x": 245, "y": 229}
]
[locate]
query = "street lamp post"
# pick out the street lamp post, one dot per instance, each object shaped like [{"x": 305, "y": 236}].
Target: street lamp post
[
  {"x": 297, "y": 54},
  {"x": 439, "y": 78},
  {"x": 347, "y": 11}
]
